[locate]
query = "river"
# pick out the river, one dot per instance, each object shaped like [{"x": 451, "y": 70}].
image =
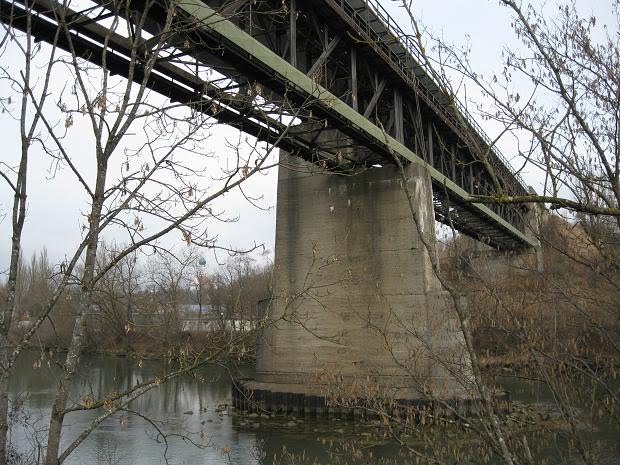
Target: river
[{"x": 199, "y": 427}]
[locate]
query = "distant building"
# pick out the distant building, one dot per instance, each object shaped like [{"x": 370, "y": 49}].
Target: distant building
[{"x": 197, "y": 318}]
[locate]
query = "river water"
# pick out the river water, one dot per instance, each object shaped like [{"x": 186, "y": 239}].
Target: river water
[{"x": 198, "y": 426}]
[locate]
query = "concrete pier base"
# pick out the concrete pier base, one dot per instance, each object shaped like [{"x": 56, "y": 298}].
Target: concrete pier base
[
  {"x": 357, "y": 310},
  {"x": 312, "y": 401}
]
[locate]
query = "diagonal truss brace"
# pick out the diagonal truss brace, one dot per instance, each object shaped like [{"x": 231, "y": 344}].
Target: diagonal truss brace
[{"x": 324, "y": 56}]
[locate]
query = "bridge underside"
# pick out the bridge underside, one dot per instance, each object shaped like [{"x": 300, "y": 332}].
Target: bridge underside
[{"x": 290, "y": 75}]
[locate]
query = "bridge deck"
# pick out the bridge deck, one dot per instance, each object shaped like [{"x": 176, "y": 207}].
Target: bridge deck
[{"x": 246, "y": 59}]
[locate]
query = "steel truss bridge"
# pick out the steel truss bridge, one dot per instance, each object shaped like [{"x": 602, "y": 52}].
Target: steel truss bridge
[{"x": 336, "y": 82}]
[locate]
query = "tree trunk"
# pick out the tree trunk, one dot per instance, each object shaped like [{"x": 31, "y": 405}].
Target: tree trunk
[
  {"x": 4, "y": 415},
  {"x": 71, "y": 364},
  {"x": 19, "y": 215},
  {"x": 78, "y": 337}
]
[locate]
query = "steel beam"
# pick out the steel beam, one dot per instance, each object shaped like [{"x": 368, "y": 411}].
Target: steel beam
[
  {"x": 375, "y": 98},
  {"x": 293, "y": 33},
  {"x": 354, "y": 103},
  {"x": 324, "y": 56},
  {"x": 399, "y": 133},
  {"x": 430, "y": 144}
]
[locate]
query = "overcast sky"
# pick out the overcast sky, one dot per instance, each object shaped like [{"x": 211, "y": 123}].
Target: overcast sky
[{"x": 55, "y": 207}]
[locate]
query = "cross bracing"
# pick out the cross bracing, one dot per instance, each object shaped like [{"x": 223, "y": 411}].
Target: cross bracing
[{"x": 333, "y": 81}]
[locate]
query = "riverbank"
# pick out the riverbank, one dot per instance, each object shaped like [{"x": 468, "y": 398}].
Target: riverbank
[
  {"x": 521, "y": 362},
  {"x": 238, "y": 346}
]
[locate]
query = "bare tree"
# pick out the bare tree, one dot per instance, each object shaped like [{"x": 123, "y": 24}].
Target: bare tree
[
  {"x": 557, "y": 97},
  {"x": 14, "y": 173},
  {"x": 237, "y": 288},
  {"x": 115, "y": 297},
  {"x": 167, "y": 280},
  {"x": 144, "y": 164}
]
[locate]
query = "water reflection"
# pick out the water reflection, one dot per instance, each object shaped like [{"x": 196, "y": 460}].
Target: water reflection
[{"x": 187, "y": 409}]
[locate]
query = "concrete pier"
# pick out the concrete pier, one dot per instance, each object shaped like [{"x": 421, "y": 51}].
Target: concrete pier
[{"x": 357, "y": 309}]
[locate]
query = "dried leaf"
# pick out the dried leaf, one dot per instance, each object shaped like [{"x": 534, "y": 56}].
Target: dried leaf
[{"x": 187, "y": 236}]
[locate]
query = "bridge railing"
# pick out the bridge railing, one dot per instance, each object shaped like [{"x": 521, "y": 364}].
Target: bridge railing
[{"x": 397, "y": 35}]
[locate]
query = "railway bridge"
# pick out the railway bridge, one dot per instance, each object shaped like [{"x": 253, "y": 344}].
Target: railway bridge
[{"x": 374, "y": 149}]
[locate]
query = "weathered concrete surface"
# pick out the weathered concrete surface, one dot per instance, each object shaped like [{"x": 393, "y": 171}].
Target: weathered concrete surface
[{"x": 356, "y": 303}]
